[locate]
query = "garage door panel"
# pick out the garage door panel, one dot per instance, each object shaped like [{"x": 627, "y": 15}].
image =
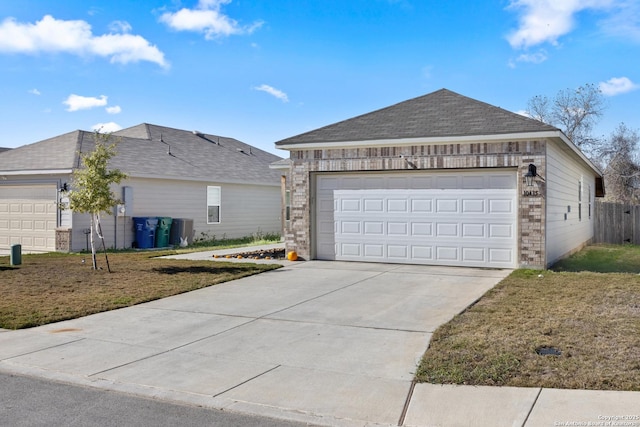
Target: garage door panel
[
  {"x": 350, "y": 205},
  {"x": 351, "y": 249},
  {"x": 446, "y": 206},
  {"x": 374, "y": 227},
  {"x": 473, "y": 255},
  {"x": 474, "y": 230},
  {"x": 373, "y": 205},
  {"x": 447, "y": 253},
  {"x": 501, "y": 206},
  {"x": 449, "y": 182},
  {"x": 350, "y": 227},
  {"x": 421, "y": 205},
  {"x": 397, "y": 229},
  {"x": 374, "y": 251},
  {"x": 397, "y": 205},
  {"x": 498, "y": 231},
  {"x": 444, "y": 229},
  {"x": 422, "y": 229},
  {"x": 501, "y": 256},
  {"x": 422, "y": 253},
  {"x": 473, "y": 206},
  {"x": 473, "y": 182},
  {"x": 455, "y": 226},
  {"x": 28, "y": 216},
  {"x": 397, "y": 252}
]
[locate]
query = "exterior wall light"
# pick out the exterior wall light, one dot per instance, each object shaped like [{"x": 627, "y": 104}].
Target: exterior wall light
[{"x": 530, "y": 175}]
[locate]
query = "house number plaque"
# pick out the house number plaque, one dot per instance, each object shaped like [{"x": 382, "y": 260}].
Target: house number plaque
[{"x": 531, "y": 193}]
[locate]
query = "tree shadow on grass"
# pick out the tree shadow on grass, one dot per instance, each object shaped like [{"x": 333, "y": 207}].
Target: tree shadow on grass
[{"x": 199, "y": 270}]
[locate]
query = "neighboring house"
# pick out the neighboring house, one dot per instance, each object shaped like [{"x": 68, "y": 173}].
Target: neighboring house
[
  {"x": 225, "y": 186},
  {"x": 439, "y": 179}
]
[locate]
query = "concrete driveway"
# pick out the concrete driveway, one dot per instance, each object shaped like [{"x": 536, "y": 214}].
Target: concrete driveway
[{"x": 321, "y": 342}]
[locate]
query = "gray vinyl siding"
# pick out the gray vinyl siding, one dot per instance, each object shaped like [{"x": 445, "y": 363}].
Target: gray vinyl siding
[
  {"x": 564, "y": 172},
  {"x": 245, "y": 209}
]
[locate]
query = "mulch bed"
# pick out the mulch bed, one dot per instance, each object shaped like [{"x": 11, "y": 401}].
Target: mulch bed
[{"x": 259, "y": 254}]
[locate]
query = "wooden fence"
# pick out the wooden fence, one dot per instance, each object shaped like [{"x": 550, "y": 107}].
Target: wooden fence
[{"x": 617, "y": 223}]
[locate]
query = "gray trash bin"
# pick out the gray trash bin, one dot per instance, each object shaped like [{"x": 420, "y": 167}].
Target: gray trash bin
[{"x": 181, "y": 229}]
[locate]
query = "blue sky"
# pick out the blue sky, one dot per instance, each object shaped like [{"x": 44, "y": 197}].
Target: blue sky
[{"x": 261, "y": 71}]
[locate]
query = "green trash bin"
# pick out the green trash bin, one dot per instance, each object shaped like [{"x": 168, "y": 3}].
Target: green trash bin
[
  {"x": 162, "y": 232},
  {"x": 16, "y": 255}
]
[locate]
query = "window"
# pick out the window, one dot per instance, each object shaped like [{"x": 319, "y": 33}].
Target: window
[
  {"x": 213, "y": 205},
  {"x": 579, "y": 200},
  {"x": 287, "y": 205}
]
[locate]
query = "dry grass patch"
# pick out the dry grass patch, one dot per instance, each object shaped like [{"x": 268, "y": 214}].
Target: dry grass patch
[
  {"x": 52, "y": 287},
  {"x": 593, "y": 319}
]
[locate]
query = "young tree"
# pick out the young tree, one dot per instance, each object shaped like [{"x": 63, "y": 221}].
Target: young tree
[
  {"x": 575, "y": 111},
  {"x": 622, "y": 171},
  {"x": 91, "y": 186}
]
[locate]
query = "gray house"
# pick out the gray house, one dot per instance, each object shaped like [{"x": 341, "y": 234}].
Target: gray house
[
  {"x": 224, "y": 185},
  {"x": 440, "y": 179}
]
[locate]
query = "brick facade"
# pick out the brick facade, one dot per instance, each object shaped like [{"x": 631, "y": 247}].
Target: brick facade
[{"x": 512, "y": 154}]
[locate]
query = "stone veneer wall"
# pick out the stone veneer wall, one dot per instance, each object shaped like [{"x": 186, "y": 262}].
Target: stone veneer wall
[
  {"x": 63, "y": 240},
  {"x": 513, "y": 154}
]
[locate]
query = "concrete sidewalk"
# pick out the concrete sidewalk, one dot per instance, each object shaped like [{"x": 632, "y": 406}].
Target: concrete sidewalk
[{"x": 327, "y": 343}]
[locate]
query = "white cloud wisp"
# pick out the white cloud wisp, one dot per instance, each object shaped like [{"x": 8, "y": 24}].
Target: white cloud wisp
[
  {"x": 75, "y": 37},
  {"x": 273, "y": 91},
  {"x": 114, "y": 110}
]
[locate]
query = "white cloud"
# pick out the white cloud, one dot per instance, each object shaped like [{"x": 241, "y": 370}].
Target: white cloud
[
  {"x": 207, "y": 18},
  {"x": 617, "y": 85},
  {"x": 120, "y": 27},
  {"x": 77, "y": 102},
  {"x": 535, "y": 58},
  {"x": 273, "y": 91},
  {"x": 75, "y": 37},
  {"x": 114, "y": 110},
  {"x": 106, "y": 127},
  {"x": 34, "y": 91},
  {"x": 544, "y": 21}
]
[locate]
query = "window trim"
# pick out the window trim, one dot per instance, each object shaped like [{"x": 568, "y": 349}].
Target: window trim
[
  {"x": 580, "y": 200},
  {"x": 211, "y": 202},
  {"x": 287, "y": 206},
  {"x": 589, "y": 201}
]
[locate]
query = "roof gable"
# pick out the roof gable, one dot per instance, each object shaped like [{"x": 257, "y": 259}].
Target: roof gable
[
  {"x": 438, "y": 114},
  {"x": 50, "y": 154}
]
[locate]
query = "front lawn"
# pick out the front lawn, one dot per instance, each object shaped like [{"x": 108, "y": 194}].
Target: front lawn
[
  {"x": 555, "y": 329},
  {"x": 52, "y": 287}
]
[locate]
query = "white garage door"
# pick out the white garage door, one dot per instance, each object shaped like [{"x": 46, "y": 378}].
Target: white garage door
[
  {"x": 28, "y": 216},
  {"x": 450, "y": 218}
]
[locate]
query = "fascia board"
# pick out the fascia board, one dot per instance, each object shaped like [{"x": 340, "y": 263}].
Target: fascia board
[
  {"x": 37, "y": 172},
  {"x": 420, "y": 141},
  {"x": 204, "y": 179}
]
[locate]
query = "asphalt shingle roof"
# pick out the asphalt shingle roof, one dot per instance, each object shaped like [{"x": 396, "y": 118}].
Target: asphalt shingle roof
[
  {"x": 154, "y": 151},
  {"x": 442, "y": 113}
]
